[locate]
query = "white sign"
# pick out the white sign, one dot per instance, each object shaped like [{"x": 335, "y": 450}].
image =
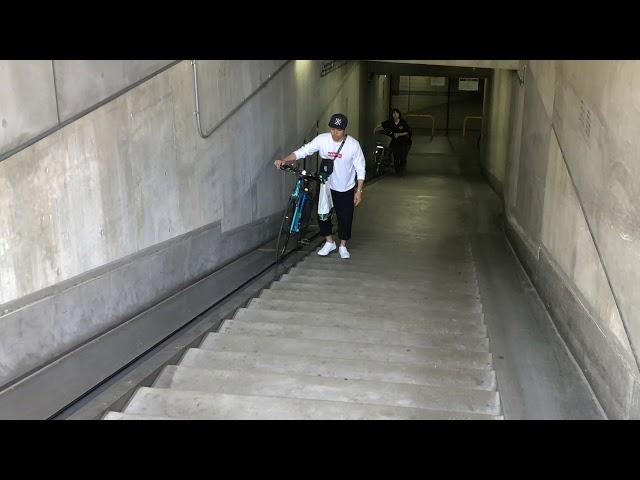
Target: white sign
[
  {"x": 468, "y": 84},
  {"x": 437, "y": 81}
]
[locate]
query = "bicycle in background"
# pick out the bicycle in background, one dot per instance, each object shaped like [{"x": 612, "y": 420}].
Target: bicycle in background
[{"x": 383, "y": 156}]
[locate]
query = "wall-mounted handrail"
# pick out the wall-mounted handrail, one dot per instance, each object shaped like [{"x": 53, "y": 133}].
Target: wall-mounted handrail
[
  {"x": 464, "y": 124},
  {"x": 230, "y": 114},
  {"x": 425, "y": 115}
]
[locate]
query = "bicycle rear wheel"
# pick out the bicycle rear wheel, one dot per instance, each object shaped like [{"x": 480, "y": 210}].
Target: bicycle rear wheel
[{"x": 284, "y": 236}]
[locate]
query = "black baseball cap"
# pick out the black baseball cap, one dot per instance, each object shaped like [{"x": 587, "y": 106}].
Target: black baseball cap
[{"x": 338, "y": 121}]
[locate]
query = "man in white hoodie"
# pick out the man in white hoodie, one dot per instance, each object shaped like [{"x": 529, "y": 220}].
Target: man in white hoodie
[{"x": 344, "y": 154}]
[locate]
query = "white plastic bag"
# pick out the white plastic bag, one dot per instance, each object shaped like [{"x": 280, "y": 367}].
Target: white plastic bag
[{"x": 325, "y": 203}]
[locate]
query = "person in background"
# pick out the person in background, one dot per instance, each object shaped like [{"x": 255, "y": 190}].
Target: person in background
[{"x": 400, "y": 139}]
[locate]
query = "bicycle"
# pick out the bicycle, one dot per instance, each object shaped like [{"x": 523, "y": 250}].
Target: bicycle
[
  {"x": 297, "y": 215},
  {"x": 383, "y": 156}
]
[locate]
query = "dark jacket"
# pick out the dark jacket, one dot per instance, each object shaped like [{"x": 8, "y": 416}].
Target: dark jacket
[{"x": 401, "y": 127}]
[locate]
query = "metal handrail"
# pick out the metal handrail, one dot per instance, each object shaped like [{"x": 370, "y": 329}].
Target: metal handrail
[
  {"x": 464, "y": 124},
  {"x": 230, "y": 114},
  {"x": 425, "y": 115}
]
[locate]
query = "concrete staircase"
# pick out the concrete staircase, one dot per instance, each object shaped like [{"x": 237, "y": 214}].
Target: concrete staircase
[{"x": 372, "y": 337}]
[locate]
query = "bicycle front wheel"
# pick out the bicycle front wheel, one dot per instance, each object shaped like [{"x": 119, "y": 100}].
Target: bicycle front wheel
[
  {"x": 378, "y": 164},
  {"x": 284, "y": 236},
  {"x": 305, "y": 219}
]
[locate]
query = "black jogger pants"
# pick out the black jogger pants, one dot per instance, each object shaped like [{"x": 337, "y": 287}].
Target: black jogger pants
[
  {"x": 400, "y": 152},
  {"x": 343, "y": 206}
]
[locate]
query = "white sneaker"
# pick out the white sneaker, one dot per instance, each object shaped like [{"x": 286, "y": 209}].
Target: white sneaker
[
  {"x": 344, "y": 253},
  {"x": 327, "y": 248}
]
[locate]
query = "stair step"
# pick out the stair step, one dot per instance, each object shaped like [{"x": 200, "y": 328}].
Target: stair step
[
  {"x": 393, "y": 257},
  {"x": 421, "y": 327},
  {"x": 377, "y": 292},
  {"x": 340, "y": 368},
  {"x": 378, "y": 337},
  {"x": 129, "y": 416},
  {"x": 320, "y": 295},
  {"x": 424, "y": 287},
  {"x": 462, "y": 277},
  {"x": 239, "y": 382},
  {"x": 424, "y": 239},
  {"x": 397, "y": 249},
  {"x": 403, "y": 312},
  {"x": 440, "y": 246},
  {"x": 393, "y": 251},
  {"x": 471, "y": 284},
  {"x": 201, "y": 406},
  {"x": 373, "y": 265},
  {"x": 426, "y": 356}
]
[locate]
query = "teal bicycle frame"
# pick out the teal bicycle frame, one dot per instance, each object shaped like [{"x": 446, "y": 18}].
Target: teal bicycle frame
[
  {"x": 294, "y": 222},
  {"x": 302, "y": 197}
]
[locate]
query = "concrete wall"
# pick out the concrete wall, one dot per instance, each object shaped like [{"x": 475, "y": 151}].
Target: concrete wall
[
  {"x": 127, "y": 205},
  {"x": 498, "y": 64},
  {"x": 583, "y": 114},
  {"x": 27, "y": 101},
  {"x": 83, "y": 83},
  {"x": 378, "y": 93},
  {"x": 496, "y": 125},
  {"x": 37, "y": 96}
]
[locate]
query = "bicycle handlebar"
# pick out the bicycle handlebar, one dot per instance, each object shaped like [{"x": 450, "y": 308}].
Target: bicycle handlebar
[
  {"x": 302, "y": 173},
  {"x": 384, "y": 131}
]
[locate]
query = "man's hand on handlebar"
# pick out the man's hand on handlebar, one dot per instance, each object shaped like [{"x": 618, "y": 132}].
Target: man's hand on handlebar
[
  {"x": 287, "y": 167},
  {"x": 281, "y": 161}
]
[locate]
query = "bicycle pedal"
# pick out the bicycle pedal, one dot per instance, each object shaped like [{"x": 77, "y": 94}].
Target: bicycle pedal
[{"x": 304, "y": 242}]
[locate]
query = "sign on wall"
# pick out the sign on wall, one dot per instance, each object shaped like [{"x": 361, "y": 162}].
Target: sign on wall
[
  {"x": 468, "y": 84},
  {"x": 437, "y": 81},
  {"x": 329, "y": 66},
  {"x": 585, "y": 119}
]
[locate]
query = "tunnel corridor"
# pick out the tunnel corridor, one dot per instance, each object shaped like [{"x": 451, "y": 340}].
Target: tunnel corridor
[
  {"x": 479, "y": 285},
  {"x": 428, "y": 245}
]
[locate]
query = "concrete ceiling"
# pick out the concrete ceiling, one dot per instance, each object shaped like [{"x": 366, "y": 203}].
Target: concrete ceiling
[
  {"x": 499, "y": 64},
  {"x": 420, "y": 69}
]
